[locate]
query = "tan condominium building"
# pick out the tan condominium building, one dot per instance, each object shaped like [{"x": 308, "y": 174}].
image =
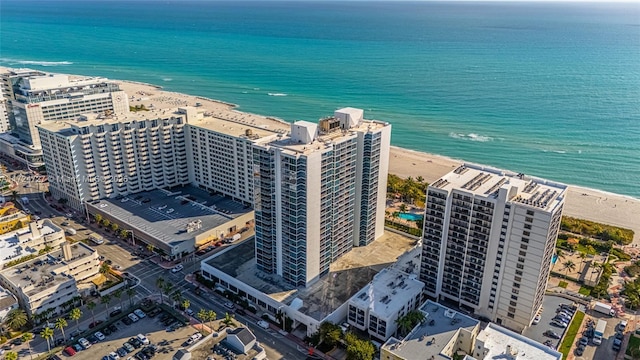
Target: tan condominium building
[
  {"x": 33, "y": 98},
  {"x": 51, "y": 280},
  {"x": 489, "y": 236}
]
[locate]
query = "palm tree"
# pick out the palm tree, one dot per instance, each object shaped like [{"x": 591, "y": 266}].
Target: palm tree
[
  {"x": 568, "y": 265},
  {"x": 403, "y": 208},
  {"x": 203, "y": 315},
  {"x": 75, "y": 314},
  {"x": 168, "y": 288},
  {"x": 150, "y": 247},
  {"x": 16, "y": 319},
  {"x": 14, "y": 195},
  {"x": 91, "y": 305},
  {"x": 97, "y": 218},
  {"x": 105, "y": 300},
  {"x": 582, "y": 257},
  {"x": 130, "y": 292},
  {"x": 11, "y": 356},
  {"x": 47, "y": 334},
  {"x": 176, "y": 297},
  {"x": 404, "y": 325},
  {"x": 420, "y": 179},
  {"x": 118, "y": 294},
  {"x": 228, "y": 320},
  {"x": 211, "y": 315},
  {"x": 160, "y": 286},
  {"x": 27, "y": 337},
  {"x": 185, "y": 304},
  {"x": 60, "y": 324},
  {"x": 115, "y": 228},
  {"x": 104, "y": 268}
]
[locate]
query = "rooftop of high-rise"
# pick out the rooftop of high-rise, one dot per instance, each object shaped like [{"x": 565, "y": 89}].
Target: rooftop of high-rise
[
  {"x": 486, "y": 181},
  {"x": 306, "y": 137}
]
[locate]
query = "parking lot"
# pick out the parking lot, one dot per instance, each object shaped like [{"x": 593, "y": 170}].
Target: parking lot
[
  {"x": 167, "y": 342},
  {"x": 536, "y": 332}
]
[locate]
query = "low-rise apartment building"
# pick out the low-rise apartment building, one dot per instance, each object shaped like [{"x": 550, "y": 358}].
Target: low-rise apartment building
[
  {"x": 8, "y": 302},
  {"x": 51, "y": 280},
  {"x": 10, "y": 216},
  {"x": 447, "y": 334},
  {"x": 30, "y": 240},
  {"x": 391, "y": 294}
]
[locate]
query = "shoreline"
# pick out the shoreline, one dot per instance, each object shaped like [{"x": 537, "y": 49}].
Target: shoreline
[{"x": 582, "y": 202}]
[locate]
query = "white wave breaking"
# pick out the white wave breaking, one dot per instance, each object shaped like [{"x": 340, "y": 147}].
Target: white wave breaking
[
  {"x": 470, "y": 137},
  {"x": 34, "y": 62},
  {"x": 277, "y": 94},
  {"x": 167, "y": 79}
]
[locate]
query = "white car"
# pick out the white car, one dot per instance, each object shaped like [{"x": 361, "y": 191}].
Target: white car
[
  {"x": 229, "y": 305},
  {"x": 139, "y": 313},
  {"x": 133, "y": 317},
  {"x": 536, "y": 320},
  {"x": 100, "y": 336},
  {"x": 113, "y": 355},
  {"x": 143, "y": 339},
  {"x": 84, "y": 342},
  {"x": 177, "y": 268},
  {"x": 263, "y": 324}
]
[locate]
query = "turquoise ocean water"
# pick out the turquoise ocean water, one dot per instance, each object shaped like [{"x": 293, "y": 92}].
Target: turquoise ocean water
[{"x": 546, "y": 89}]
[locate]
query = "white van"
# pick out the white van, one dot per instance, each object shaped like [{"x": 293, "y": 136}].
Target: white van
[
  {"x": 96, "y": 239},
  {"x": 71, "y": 231}
]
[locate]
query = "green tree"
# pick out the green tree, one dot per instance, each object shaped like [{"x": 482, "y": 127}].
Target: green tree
[
  {"x": 150, "y": 247},
  {"x": 105, "y": 300},
  {"x": 16, "y": 319},
  {"x": 582, "y": 257},
  {"x": 97, "y": 218},
  {"x": 27, "y": 337},
  {"x": 211, "y": 316},
  {"x": 115, "y": 227},
  {"x": 329, "y": 334},
  {"x": 47, "y": 334},
  {"x": 75, "y": 314},
  {"x": 60, "y": 324},
  {"x": 160, "y": 286},
  {"x": 118, "y": 294},
  {"x": 168, "y": 288},
  {"x": 228, "y": 320},
  {"x": 11, "y": 356},
  {"x": 91, "y": 306},
  {"x": 404, "y": 325},
  {"x": 568, "y": 265},
  {"x": 403, "y": 207},
  {"x": 203, "y": 316},
  {"x": 185, "y": 304},
  {"x": 176, "y": 297},
  {"x": 358, "y": 349},
  {"x": 106, "y": 223},
  {"x": 104, "y": 268}
]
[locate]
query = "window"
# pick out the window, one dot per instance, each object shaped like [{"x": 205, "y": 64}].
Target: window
[
  {"x": 513, "y": 297},
  {"x": 520, "y": 266},
  {"x": 526, "y": 233},
  {"x": 522, "y": 253},
  {"x": 530, "y": 212},
  {"x": 511, "y": 315},
  {"x": 521, "y": 259},
  {"x": 523, "y": 246},
  {"x": 525, "y": 240},
  {"x": 528, "y": 219},
  {"x": 527, "y": 226}
]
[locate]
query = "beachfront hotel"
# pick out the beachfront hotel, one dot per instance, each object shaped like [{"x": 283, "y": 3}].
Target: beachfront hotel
[
  {"x": 489, "y": 236},
  {"x": 33, "y": 97},
  {"x": 318, "y": 193}
]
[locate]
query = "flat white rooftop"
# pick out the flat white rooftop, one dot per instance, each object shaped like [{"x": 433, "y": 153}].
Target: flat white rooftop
[
  {"x": 429, "y": 338},
  {"x": 498, "y": 341},
  {"x": 10, "y": 248},
  {"x": 387, "y": 293},
  {"x": 486, "y": 181}
]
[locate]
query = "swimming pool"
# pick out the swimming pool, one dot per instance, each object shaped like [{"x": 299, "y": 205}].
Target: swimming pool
[{"x": 410, "y": 216}]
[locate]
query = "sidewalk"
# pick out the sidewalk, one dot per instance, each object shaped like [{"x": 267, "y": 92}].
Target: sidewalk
[{"x": 191, "y": 279}]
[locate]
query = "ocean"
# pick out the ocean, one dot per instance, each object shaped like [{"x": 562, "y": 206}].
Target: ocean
[{"x": 547, "y": 89}]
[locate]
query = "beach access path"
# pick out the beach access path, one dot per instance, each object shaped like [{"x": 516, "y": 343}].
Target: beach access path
[{"x": 582, "y": 203}]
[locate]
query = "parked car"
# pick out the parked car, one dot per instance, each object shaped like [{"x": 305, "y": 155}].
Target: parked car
[
  {"x": 552, "y": 334},
  {"x": 95, "y": 323},
  {"x": 100, "y": 336},
  {"x": 69, "y": 351},
  {"x": 114, "y": 356},
  {"x": 579, "y": 350},
  {"x": 127, "y": 321},
  {"x": 133, "y": 317},
  {"x": 536, "y": 319},
  {"x": 229, "y": 305},
  {"x": 263, "y": 324},
  {"x": 128, "y": 347},
  {"x": 135, "y": 343},
  {"x": 139, "y": 313},
  {"x": 84, "y": 342},
  {"x": 143, "y": 339},
  {"x": 113, "y": 328}
]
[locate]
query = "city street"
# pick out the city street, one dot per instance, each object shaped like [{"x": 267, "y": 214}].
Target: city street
[{"x": 119, "y": 251}]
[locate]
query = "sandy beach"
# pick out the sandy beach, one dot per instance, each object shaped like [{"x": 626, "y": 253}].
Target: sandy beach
[{"x": 581, "y": 202}]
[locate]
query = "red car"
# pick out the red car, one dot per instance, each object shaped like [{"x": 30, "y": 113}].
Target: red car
[{"x": 69, "y": 351}]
